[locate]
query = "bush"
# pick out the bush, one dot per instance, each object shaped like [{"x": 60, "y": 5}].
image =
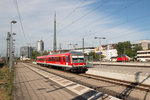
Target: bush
[{"x": 6, "y": 83}]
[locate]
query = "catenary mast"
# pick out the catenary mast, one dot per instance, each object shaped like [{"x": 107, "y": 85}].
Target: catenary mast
[{"x": 54, "y": 45}]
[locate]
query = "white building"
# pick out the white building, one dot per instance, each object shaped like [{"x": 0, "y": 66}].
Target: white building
[
  {"x": 110, "y": 53},
  {"x": 145, "y": 44},
  {"x": 40, "y": 46},
  {"x": 143, "y": 55}
]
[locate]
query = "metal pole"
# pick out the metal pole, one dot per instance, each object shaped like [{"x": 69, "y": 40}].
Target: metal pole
[
  {"x": 11, "y": 46},
  {"x": 10, "y": 49},
  {"x": 106, "y": 50},
  {"x": 100, "y": 45},
  {"x": 83, "y": 44},
  {"x": 7, "y": 48},
  {"x": 100, "y": 50}
]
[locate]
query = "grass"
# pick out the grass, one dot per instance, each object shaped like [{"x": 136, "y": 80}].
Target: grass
[{"x": 6, "y": 83}]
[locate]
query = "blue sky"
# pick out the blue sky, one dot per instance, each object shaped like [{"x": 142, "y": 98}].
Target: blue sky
[{"x": 117, "y": 20}]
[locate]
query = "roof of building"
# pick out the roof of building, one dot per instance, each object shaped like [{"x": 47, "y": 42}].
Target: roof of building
[{"x": 140, "y": 41}]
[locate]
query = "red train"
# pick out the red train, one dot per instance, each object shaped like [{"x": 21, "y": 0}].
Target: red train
[
  {"x": 72, "y": 61},
  {"x": 122, "y": 59}
]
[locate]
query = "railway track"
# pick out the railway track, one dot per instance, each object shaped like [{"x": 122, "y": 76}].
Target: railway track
[
  {"x": 136, "y": 85},
  {"x": 128, "y": 86}
]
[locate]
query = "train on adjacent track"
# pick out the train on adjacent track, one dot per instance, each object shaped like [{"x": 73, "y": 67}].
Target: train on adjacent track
[{"x": 71, "y": 61}]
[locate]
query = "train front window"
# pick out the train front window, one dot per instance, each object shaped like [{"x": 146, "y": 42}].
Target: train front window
[{"x": 77, "y": 59}]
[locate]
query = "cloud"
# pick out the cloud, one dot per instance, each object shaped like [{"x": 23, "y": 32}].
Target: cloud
[{"x": 38, "y": 17}]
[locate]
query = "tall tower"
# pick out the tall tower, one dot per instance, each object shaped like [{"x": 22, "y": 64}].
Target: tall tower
[{"x": 54, "y": 45}]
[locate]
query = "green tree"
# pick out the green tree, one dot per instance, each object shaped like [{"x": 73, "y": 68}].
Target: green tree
[
  {"x": 45, "y": 53},
  {"x": 129, "y": 53},
  {"x": 35, "y": 54},
  {"x": 136, "y": 48},
  {"x": 123, "y": 47}
]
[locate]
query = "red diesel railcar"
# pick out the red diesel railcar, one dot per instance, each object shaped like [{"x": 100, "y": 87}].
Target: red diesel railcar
[
  {"x": 73, "y": 61},
  {"x": 122, "y": 59}
]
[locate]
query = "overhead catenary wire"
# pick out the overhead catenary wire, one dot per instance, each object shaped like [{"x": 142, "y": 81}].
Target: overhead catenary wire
[
  {"x": 126, "y": 22},
  {"x": 116, "y": 11},
  {"x": 63, "y": 19},
  {"x": 120, "y": 10},
  {"x": 107, "y": 16},
  {"x": 89, "y": 12},
  {"x": 130, "y": 33},
  {"x": 21, "y": 23}
]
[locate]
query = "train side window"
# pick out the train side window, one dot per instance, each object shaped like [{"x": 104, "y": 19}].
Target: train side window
[
  {"x": 59, "y": 59},
  {"x": 64, "y": 59},
  {"x": 68, "y": 58}
]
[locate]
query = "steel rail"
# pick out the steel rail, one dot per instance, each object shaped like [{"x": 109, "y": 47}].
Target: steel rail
[{"x": 139, "y": 86}]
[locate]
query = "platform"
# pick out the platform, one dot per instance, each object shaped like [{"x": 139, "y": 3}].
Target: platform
[
  {"x": 34, "y": 84},
  {"x": 28, "y": 85},
  {"x": 133, "y": 74}
]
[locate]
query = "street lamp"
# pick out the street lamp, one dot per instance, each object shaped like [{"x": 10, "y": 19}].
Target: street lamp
[
  {"x": 11, "y": 45},
  {"x": 14, "y": 33},
  {"x": 100, "y": 45},
  {"x": 74, "y": 45},
  {"x": 13, "y": 22}
]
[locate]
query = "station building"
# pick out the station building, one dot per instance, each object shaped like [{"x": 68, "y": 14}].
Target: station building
[{"x": 143, "y": 55}]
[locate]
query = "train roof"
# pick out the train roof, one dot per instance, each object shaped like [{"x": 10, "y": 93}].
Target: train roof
[{"x": 72, "y": 52}]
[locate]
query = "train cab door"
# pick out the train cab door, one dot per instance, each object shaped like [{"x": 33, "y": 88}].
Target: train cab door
[
  {"x": 64, "y": 60},
  {"x": 67, "y": 60}
]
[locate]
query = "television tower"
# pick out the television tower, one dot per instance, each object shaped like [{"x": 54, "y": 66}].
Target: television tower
[{"x": 54, "y": 45}]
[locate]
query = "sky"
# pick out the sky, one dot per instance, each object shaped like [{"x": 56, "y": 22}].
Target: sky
[{"x": 117, "y": 20}]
